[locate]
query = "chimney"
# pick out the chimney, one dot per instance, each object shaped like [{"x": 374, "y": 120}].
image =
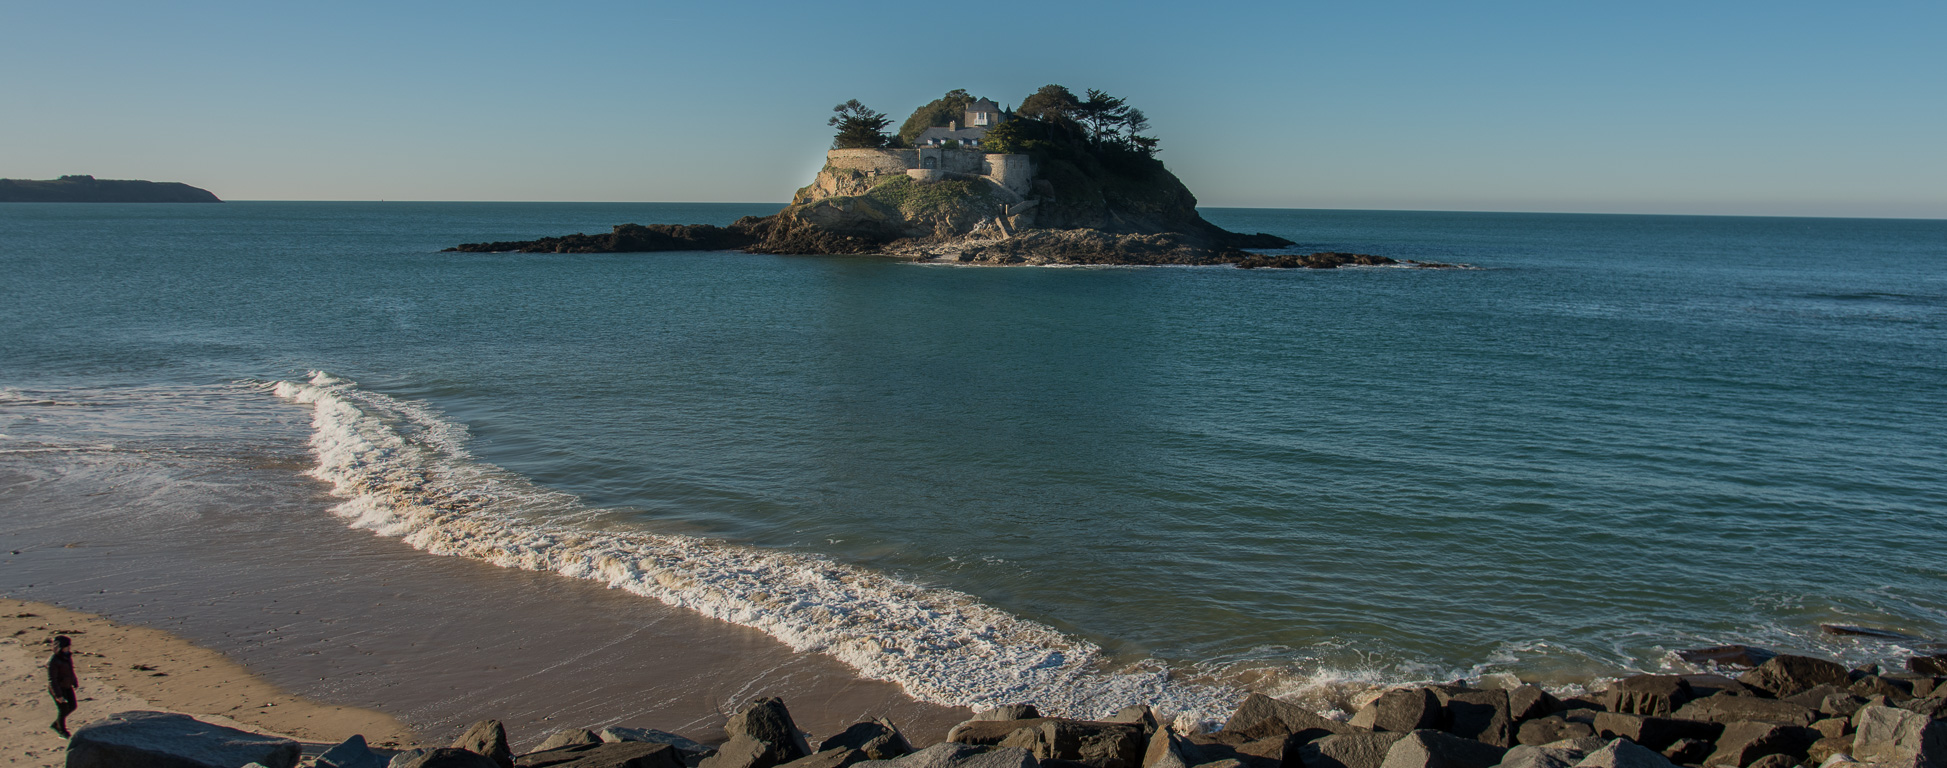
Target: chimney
[{"x": 953, "y": 125}]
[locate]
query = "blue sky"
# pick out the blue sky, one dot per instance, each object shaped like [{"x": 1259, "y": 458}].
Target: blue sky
[{"x": 1774, "y": 108}]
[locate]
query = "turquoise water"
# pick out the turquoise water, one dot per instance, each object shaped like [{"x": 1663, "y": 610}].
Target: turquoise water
[{"x": 1620, "y": 436}]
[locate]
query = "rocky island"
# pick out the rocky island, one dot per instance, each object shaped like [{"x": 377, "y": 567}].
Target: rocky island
[
  {"x": 88, "y": 189},
  {"x": 1060, "y": 180}
]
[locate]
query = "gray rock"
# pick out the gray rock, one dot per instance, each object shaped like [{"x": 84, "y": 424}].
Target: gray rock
[
  {"x": 1139, "y": 714},
  {"x": 1710, "y": 685},
  {"x": 1689, "y": 751},
  {"x": 568, "y": 737},
  {"x": 1775, "y": 761},
  {"x": 1261, "y": 716},
  {"x": 1814, "y": 696},
  {"x": 1648, "y": 694},
  {"x": 1893, "y": 688},
  {"x": 1400, "y": 709},
  {"x": 950, "y": 755},
  {"x": 1833, "y": 726},
  {"x": 877, "y": 740},
  {"x": 351, "y": 753},
  {"x": 1529, "y": 702},
  {"x": 1841, "y": 705},
  {"x": 1932, "y": 706},
  {"x": 1898, "y": 738},
  {"x": 488, "y": 738},
  {"x": 1725, "y": 709},
  {"x": 831, "y": 758},
  {"x": 1269, "y": 752},
  {"x": 1348, "y": 750},
  {"x": 1743, "y": 743},
  {"x": 1560, "y": 754},
  {"x": 1623, "y": 753},
  {"x": 1166, "y": 750},
  {"x": 1549, "y": 730},
  {"x": 1786, "y": 674},
  {"x": 1655, "y": 733},
  {"x": 620, "y": 754},
  {"x": 1010, "y": 712},
  {"x": 1928, "y": 665},
  {"x": 653, "y": 736},
  {"x": 1829, "y": 747},
  {"x": 441, "y": 757},
  {"x": 1743, "y": 656},
  {"x": 768, "y": 722},
  {"x": 992, "y": 732},
  {"x": 1105, "y": 745},
  {"x": 1482, "y": 716},
  {"x": 139, "y": 738},
  {"x": 1426, "y": 748}
]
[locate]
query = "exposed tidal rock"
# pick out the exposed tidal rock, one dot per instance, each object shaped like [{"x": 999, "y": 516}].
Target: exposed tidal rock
[
  {"x": 653, "y": 736},
  {"x": 1550, "y": 730},
  {"x": 1726, "y": 709},
  {"x": 1728, "y": 655},
  {"x": 1434, "y": 749},
  {"x": 441, "y": 757},
  {"x": 138, "y": 738},
  {"x": 1010, "y": 712},
  {"x": 568, "y": 737},
  {"x": 1784, "y": 675},
  {"x": 1482, "y": 716},
  {"x": 1648, "y": 694},
  {"x": 1742, "y": 743},
  {"x": 1400, "y": 709},
  {"x": 1528, "y": 702},
  {"x": 1654, "y": 732},
  {"x": 351, "y": 753},
  {"x": 951, "y": 755},
  {"x": 1349, "y": 750},
  {"x": 1261, "y": 716},
  {"x": 877, "y": 740},
  {"x": 1928, "y": 665},
  {"x": 628, "y": 238}
]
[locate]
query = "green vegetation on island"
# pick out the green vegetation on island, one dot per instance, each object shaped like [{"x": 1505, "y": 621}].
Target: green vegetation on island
[{"x": 88, "y": 189}]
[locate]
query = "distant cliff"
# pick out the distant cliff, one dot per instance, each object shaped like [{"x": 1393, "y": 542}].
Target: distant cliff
[{"x": 88, "y": 189}]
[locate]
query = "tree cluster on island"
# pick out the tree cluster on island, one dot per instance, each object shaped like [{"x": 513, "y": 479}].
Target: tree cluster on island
[{"x": 1050, "y": 118}]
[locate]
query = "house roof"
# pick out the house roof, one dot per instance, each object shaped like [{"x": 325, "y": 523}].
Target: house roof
[
  {"x": 983, "y": 105},
  {"x": 968, "y": 134}
]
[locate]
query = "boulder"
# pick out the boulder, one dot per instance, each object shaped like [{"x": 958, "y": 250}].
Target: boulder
[
  {"x": 1826, "y": 748},
  {"x": 740, "y": 753},
  {"x": 1710, "y": 685},
  {"x": 1689, "y": 751},
  {"x": 1528, "y": 702},
  {"x": 1560, "y": 754},
  {"x": 1167, "y": 750},
  {"x": 1742, "y": 656},
  {"x": 1348, "y": 750},
  {"x": 1648, "y": 694},
  {"x": 1935, "y": 665},
  {"x": 1745, "y": 742},
  {"x": 991, "y": 732},
  {"x": 1103, "y": 745},
  {"x": 1010, "y": 712},
  {"x": 441, "y": 757},
  {"x": 1921, "y": 685},
  {"x": 568, "y": 737},
  {"x": 1814, "y": 696},
  {"x": 489, "y": 738},
  {"x": 615, "y": 754},
  {"x": 140, "y": 738},
  {"x": 1833, "y": 726},
  {"x": 1261, "y": 716},
  {"x": 1400, "y": 709},
  {"x": 1280, "y": 751},
  {"x": 1898, "y": 738},
  {"x": 950, "y": 755},
  {"x": 841, "y": 757},
  {"x": 1579, "y": 715},
  {"x": 1139, "y": 714},
  {"x": 351, "y": 753},
  {"x": 1932, "y": 706},
  {"x": 878, "y": 740},
  {"x": 1549, "y": 730},
  {"x": 1656, "y": 733},
  {"x": 767, "y": 721},
  {"x": 1841, "y": 705},
  {"x": 1784, "y": 675},
  {"x": 1623, "y": 753},
  {"x": 1775, "y": 761},
  {"x": 616, "y": 733},
  {"x": 1725, "y": 709},
  {"x": 1893, "y": 688},
  {"x": 1425, "y": 748},
  {"x": 1482, "y": 716}
]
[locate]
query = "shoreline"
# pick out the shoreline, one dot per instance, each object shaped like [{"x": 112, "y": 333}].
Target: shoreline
[{"x": 129, "y": 667}]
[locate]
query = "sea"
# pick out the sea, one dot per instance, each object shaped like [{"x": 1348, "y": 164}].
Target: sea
[{"x": 1611, "y": 438}]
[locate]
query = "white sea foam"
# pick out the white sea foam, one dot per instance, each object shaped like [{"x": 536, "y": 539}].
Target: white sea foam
[{"x": 404, "y": 471}]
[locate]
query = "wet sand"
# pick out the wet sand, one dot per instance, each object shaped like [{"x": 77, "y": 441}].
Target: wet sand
[{"x": 233, "y": 548}]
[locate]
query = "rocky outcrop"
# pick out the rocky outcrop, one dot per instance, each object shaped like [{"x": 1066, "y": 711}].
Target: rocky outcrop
[
  {"x": 1402, "y": 709},
  {"x": 136, "y": 739},
  {"x": 441, "y": 757},
  {"x": 1785, "y": 675},
  {"x": 762, "y": 735},
  {"x": 488, "y": 738},
  {"x": 569, "y": 737},
  {"x": 621, "y": 754},
  {"x": 628, "y": 238},
  {"x": 88, "y": 189}
]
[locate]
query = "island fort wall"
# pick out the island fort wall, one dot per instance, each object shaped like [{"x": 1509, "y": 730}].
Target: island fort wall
[{"x": 1015, "y": 173}]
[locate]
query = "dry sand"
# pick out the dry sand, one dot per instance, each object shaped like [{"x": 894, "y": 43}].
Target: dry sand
[{"x": 127, "y": 667}]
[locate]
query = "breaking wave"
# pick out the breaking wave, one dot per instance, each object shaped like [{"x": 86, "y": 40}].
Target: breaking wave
[{"x": 404, "y": 471}]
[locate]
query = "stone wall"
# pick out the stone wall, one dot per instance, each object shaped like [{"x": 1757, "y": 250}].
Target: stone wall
[
  {"x": 873, "y": 160},
  {"x": 1015, "y": 172}
]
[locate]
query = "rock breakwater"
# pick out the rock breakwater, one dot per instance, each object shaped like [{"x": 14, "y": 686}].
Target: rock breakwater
[{"x": 1786, "y": 711}]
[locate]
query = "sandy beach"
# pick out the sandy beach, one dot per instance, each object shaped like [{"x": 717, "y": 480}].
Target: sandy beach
[{"x": 128, "y": 667}]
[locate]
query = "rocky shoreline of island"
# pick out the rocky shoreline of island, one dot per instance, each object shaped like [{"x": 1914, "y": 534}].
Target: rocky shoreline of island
[{"x": 1778, "y": 711}]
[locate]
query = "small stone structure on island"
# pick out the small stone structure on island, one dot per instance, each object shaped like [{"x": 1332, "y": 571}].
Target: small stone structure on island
[{"x": 1011, "y": 175}]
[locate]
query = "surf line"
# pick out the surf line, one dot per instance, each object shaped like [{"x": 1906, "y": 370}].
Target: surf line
[{"x": 403, "y": 471}]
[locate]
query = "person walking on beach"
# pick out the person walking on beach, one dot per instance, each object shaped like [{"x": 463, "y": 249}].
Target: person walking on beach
[{"x": 62, "y": 683}]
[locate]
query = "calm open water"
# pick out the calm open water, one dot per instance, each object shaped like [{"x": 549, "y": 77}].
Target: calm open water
[{"x": 1622, "y": 435}]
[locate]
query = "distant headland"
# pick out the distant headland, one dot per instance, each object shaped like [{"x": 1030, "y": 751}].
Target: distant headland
[
  {"x": 1061, "y": 179},
  {"x": 88, "y": 189}
]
